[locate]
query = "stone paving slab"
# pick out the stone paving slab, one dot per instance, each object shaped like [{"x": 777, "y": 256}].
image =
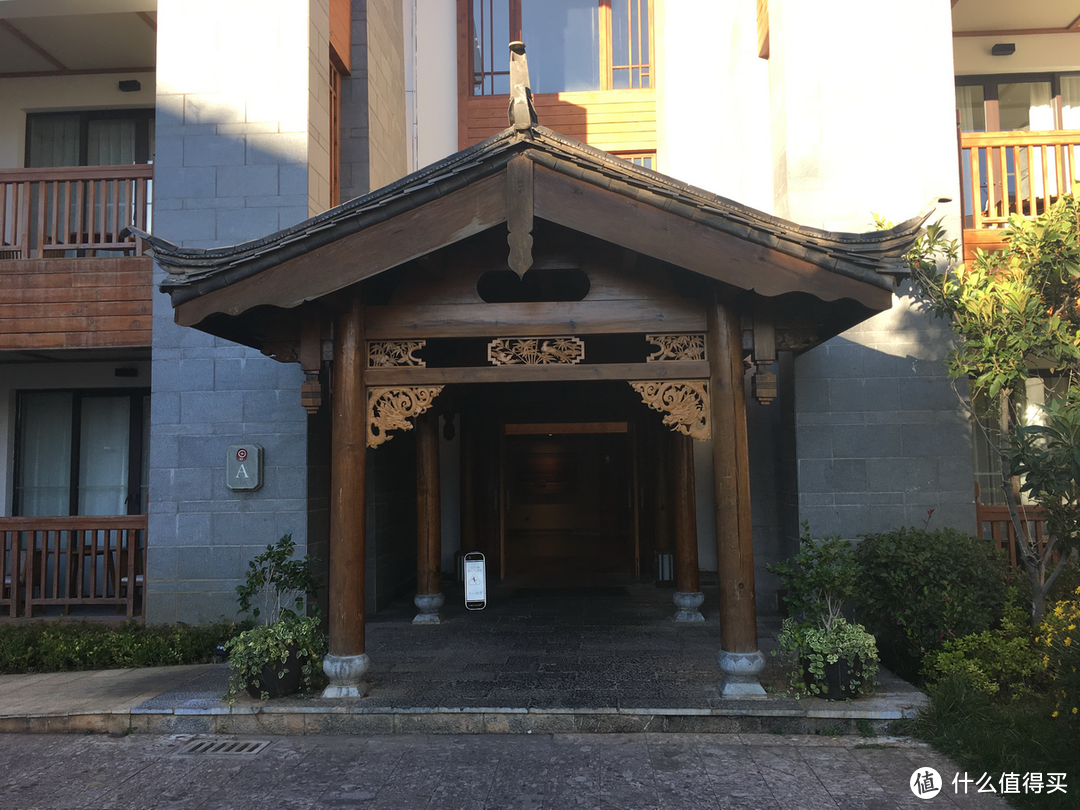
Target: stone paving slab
[
  {"x": 635, "y": 771},
  {"x": 512, "y": 667}
]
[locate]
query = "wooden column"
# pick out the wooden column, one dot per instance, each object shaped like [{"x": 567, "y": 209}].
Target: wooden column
[
  {"x": 469, "y": 531},
  {"x": 688, "y": 596},
  {"x": 429, "y": 596},
  {"x": 346, "y": 664},
  {"x": 740, "y": 659},
  {"x": 661, "y": 457}
]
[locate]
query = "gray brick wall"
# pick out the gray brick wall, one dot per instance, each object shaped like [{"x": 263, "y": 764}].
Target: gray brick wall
[
  {"x": 231, "y": 165},
  {"x": 881, "y": 434},
  {"x": 373, "y": 141}
]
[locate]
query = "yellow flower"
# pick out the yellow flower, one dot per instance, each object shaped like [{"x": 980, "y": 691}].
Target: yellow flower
[
  {"x": 1074, "y": 709},
  {"x": 1055, "y": 714},
  {"x": 1068, "y": 641}
]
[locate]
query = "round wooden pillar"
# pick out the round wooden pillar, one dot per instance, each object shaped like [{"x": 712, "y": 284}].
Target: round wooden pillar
[
  {"x": 346, "y": 663},
  {"x": 740, "y": 659},
  {"x": 688, "y": 596},
  {"x": 429, "y": 596}
]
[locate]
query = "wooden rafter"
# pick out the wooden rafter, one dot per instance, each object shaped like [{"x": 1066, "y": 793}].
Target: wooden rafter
[
  {"x": 40, "y": 51},
  {"x": 146, "y": 18}
]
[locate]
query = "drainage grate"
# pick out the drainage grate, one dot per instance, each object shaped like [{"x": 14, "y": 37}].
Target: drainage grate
[{"x": 245, "y": 747}]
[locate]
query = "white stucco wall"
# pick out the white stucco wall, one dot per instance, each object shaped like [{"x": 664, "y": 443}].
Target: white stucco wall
[
  {"x": 863, "y": 110},
  {"x": 431, "y": 80},
  {"x": 713, "y": 99},
  {"x": 1042, "y": 52}
]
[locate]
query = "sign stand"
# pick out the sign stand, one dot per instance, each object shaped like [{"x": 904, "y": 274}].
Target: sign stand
[{"x": 475, "y": 581}]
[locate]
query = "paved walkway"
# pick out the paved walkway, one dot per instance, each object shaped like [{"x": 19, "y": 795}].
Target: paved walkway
[
  {"x": 560, "y": 661},
  {"x": 473, "y": 772}
]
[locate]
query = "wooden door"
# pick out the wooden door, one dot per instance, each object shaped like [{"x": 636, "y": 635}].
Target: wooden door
[{"x": 569, "y": 511}]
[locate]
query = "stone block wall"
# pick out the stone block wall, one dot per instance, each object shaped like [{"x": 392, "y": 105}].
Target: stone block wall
[
  {"x": 373, "y": 140},
  {"x": 882, "y": 434},
  {"x": 233, "y": 163}
]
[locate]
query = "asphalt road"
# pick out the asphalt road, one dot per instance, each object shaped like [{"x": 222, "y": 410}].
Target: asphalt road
[{"x": 472, "y": 772}]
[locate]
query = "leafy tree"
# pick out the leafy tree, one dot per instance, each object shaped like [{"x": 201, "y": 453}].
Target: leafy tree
[{"x": 1014, "y": 311}]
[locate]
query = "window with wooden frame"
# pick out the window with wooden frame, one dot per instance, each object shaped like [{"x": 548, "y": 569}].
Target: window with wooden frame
[
  {"x": 647, "y": 160},
  {"x": 89, "y": 138},
  {"x": 81, "y": 452},
  {"x": 335, "y": 132},
  {"x": 573, "y": 45},
  {"x": 1018, "y": 102}
]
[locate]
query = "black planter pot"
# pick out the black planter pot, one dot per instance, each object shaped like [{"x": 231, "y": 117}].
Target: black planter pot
[
  {"x": 837, "y": 683},
  {"x": 269, "y": 682}
]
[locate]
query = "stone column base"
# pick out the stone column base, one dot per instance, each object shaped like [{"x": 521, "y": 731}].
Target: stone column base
[
  {"x": 346, "y": 674},
  {"x": 741, "y": 671},
  {"x": 688, "y": 603},
  {"x": 428, "y": 604}
]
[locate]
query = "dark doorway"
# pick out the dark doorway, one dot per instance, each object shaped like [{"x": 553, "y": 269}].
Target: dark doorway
[{"x": 570, "y": 515}]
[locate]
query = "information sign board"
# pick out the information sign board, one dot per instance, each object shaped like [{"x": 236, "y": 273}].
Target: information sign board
[{"x": 475, "y": 581}]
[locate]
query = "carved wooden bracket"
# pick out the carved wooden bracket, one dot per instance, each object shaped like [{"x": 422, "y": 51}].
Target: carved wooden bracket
[
  {"x": 536, "y": 351},
  {"x": 685, "y": 404},
  {"x": 391, "y": 353},
  {"x": 676, "y": 347},
  {"x": 310, "y": 356},
  {"x": 763, "y": 384},
  {"x": 392, "y": 408}
]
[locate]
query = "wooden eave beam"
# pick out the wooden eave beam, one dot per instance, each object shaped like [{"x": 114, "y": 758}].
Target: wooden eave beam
[
  {"x": 1018, "y": 32},
  {"x": 687, "y": 370},
  {"x": 410, "y": 322},
  {"x": 34, "y": 74},
  {"x": 362, "y": 255},
  {"x": 685, "y": 243}
]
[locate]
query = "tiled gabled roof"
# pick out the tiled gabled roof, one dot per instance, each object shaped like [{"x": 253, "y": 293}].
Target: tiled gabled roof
[{"x": 874, "y": 257}]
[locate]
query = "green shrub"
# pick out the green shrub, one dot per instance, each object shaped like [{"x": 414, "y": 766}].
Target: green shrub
[
  {"x": 70, "y": 646},
  {"x": 919, "y": 589},
  {"x": 1059, "y": 641},
  {"x": 1003, "y": 663},
  {"x": 981, "y": 735}
]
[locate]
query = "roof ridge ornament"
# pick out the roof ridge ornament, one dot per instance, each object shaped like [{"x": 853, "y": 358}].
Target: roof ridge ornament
[{"x": 522, "y": 112}]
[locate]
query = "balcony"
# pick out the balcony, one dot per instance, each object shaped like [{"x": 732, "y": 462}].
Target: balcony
[
  {"x": 69, "y": 276},
  {"x": 1005, "y": 173}
]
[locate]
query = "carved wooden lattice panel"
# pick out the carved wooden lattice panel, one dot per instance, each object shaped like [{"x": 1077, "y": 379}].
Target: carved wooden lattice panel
[
  {"x": 676, "y": 347},
  {"x": 684, "y": 403},
  {"x": 391, "y": 353},
  {"x": 392, "y": 408},
  {"x": 536, "y": 351}
]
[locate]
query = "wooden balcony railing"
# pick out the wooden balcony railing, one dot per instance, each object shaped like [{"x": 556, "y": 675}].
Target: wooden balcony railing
[
  {"x": 1015, "y": 173},
  {"x": 58, "y": 562},
  {"x": 995, "y": 524},
  {"x": 76, "y": 211}
]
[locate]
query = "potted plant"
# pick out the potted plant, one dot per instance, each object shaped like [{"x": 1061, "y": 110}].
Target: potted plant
[
  {"x": 273, "y": 658},
  {"x": 834, "y": 658}
]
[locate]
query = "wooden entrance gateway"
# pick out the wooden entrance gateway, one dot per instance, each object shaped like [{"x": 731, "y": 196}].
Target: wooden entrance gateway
[{"x": 534, "y": 260}]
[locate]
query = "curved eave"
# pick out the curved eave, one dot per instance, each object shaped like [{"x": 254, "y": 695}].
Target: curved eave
[{"x": 872, "y": 259}]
